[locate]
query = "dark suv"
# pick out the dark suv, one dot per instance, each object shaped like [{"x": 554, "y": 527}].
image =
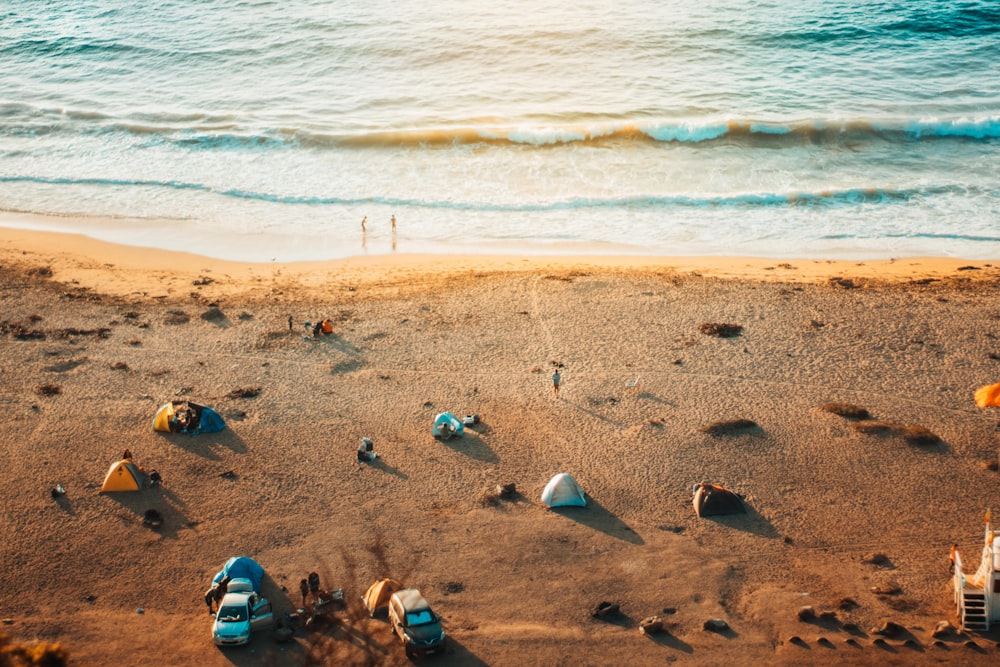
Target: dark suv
[{"x": 416, "y": 623}]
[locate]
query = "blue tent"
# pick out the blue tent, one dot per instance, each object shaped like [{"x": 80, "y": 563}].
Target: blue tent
[
  {"x": 447, "y": 425},
  {"x": 210, "y": 421},
  {"x": 241, "y": 567}
]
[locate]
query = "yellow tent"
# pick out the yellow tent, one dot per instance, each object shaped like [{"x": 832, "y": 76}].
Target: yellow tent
[
  {"x": 378, "y": 594},
  {"x": 161, "y": 422},
  {"x": 988, "y": 395},
  {"x": 122, "y": 476}
]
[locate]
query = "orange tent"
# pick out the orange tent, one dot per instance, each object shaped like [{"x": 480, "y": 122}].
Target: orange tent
[
  {"x": 122, "y": 476},
  {"x": 377, "y": 596},
  {"x": 988, "y": 395}
]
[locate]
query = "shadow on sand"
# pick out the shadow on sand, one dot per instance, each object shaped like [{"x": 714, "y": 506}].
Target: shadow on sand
[
  {"x": 457, "y": 654},
  {"x": 204, "y": 444},
  {"x": 593, "y": 413},
  {"x": 596, "y": 517},
  {"x": 65, "y": 504},
  {"x": 669, "y": 641},
  {"x": 165, "y": 502},
  {"x": 380, "y": 465},
  {"x": 648, "y": 396},
  {"x": 751, "y": 522},
  {"x": 339, "y": 344},
  {"x": 472, "y": 446}
]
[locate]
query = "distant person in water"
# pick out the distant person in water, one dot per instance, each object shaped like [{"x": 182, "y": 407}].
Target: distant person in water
[
  {"x": 393, "y": 221},
  {"x": 363, "y": 221}
]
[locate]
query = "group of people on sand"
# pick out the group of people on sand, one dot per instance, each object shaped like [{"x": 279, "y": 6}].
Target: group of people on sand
[
  {"x": 185, "y": 419},
  {"x": 324, "y": 328},
  {"x": 309, "y": 587}
]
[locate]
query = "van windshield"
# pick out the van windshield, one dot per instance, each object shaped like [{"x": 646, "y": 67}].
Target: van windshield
[{"x": 421, "y": 617}]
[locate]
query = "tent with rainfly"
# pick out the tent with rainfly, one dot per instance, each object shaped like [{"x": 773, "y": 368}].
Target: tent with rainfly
[
  {"x": 377, "y": 596},
  {"x": 123, "y": 475},
  {"x": 241, "y": 567},
  {"x": 207, "y": 420},
  {"x": 563, "y": 491},
  {"x": 988, "y": 396}
]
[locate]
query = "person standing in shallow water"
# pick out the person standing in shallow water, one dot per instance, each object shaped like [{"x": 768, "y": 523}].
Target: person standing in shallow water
[
  {"x": 393, "y": 221},
  {"x": 556, "y": 379}
]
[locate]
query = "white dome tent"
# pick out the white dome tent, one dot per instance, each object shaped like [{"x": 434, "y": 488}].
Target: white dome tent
[{"x": 563, "y": 491}]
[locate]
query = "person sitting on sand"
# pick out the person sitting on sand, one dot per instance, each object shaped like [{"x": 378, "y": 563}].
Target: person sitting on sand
[
  {"x": 327, "y": 327},
  {"x": 447, "y": 430},
  {"x": 127, "y": 455},
  {"x": 366, "y": 452}
]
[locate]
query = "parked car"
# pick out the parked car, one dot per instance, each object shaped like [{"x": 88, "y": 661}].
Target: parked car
[
  {"x": 241, "y": 611},
  {"x": 415, "y": 622}
]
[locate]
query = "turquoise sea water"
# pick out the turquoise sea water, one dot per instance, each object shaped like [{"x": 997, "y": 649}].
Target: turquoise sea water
[{"x": 270, "y": 129}]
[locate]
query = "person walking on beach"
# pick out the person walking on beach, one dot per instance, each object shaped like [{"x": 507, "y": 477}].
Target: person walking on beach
[{"x": 556, "y": 378}]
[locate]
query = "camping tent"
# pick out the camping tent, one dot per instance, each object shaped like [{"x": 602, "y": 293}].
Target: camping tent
[
  {"x": 453, "y": 423},
  {"x": 563, "y": 491},
  {"x": 206, "y": 420},
  {"x": 713, "y": 500},
  {"x": 988, "y": 395},
  {"x": 377, "y": 596},
  {"x": 241, "y": 567},
  {"x": 122, "y": 476}
]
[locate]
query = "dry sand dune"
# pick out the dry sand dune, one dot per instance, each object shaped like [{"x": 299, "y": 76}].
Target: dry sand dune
[{"x": 119, "y": 332}]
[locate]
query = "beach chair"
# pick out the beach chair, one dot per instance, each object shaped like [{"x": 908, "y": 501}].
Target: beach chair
[{"x": 632, "y": 384}]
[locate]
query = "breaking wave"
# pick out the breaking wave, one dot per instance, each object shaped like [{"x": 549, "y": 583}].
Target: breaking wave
[{"x": 825, "y": 198}]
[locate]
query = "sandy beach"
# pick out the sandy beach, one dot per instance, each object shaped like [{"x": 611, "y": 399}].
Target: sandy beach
[{"x": 96, "y": 337}]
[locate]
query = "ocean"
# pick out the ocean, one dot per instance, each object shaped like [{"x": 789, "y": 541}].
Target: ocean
[{"x": 258, "y": 131}]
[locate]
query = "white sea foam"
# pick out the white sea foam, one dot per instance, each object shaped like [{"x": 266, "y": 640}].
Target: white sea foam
[{"x": 721, "y": 128}]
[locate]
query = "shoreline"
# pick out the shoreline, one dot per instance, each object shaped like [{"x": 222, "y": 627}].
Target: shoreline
[
  {"x": 120, "y": 269},
  {"x": 378, "y": 245}
]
